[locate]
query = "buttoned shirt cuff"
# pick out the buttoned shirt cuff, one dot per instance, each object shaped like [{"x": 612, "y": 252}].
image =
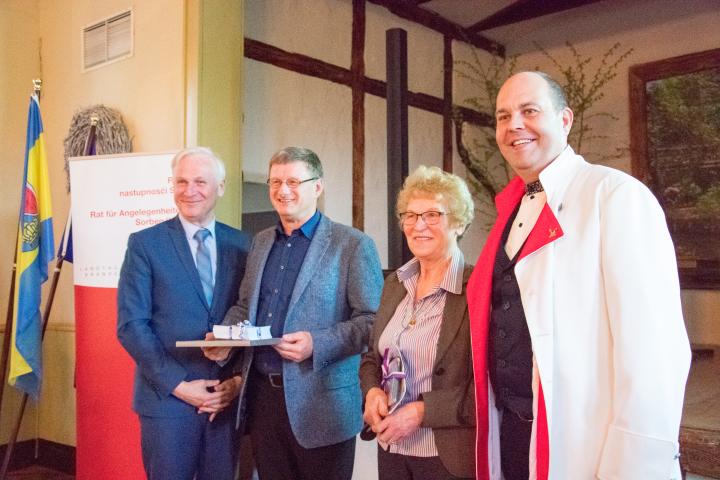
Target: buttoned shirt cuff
[{"x": 631, "y": 455}]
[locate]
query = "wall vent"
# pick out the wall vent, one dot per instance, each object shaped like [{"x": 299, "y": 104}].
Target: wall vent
[{"x": 107, "y": 41}]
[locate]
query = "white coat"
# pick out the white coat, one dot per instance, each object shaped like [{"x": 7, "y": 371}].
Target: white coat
[{"x": 600, "y": 292}]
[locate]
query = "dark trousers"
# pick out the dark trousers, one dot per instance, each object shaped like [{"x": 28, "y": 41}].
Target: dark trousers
[
  {"x": 515, "y": 435},
  {"x": 190, "y": 447},
  {"x": 278, "y": 455},
  {"x": 394, "y": 466}
]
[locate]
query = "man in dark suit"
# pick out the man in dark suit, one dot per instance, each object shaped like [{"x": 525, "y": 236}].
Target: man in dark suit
[
  {"x": 178, "y": 279},
  {"x": 317, "y": 283}
]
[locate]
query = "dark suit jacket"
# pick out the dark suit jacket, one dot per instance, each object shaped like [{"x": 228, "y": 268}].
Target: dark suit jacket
[
  {"x": 161, "y": 300},
  {"x": 450, "y": 405},
  {"x": 335, "y": 296}
]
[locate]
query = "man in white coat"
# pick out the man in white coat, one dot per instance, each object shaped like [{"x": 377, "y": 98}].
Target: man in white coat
[{"x": 579, "y": 347}]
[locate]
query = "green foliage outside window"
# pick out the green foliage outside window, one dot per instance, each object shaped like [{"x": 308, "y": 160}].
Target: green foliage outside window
[{"x": 683, "y": 118}]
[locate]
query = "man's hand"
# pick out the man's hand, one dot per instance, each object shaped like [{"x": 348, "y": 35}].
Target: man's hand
[
  {"x": 195, "y": 392},
  {"x": 296, "y": 346},
  {"x": 376, "y": 406},
  {"x": 401, "y": 423},
  {"x": 216, "y": 354},
  {"x": 228, "y": 390}
]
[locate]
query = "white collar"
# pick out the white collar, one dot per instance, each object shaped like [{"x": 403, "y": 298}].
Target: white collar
[
  {"x": 191, "y": 228},
  {"x": 558, "y": 175}
]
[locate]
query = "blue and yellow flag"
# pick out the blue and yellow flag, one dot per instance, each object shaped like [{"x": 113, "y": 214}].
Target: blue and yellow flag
[{"x": 35, "y": 248}]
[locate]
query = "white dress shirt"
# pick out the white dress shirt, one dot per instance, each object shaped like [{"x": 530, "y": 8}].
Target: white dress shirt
[{"x": 190, "y": 230}]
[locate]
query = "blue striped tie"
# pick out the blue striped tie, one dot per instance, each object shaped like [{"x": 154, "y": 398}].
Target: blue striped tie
[{"x": 203, "y": 263}]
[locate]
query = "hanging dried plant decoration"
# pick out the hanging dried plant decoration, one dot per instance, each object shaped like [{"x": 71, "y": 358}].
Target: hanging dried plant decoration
[{"x": 111, "y": 134}]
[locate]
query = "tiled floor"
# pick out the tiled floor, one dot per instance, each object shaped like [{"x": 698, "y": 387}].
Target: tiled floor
[
  {"x": 702, "y": 393},
  {"x": 38, "y": 473}
]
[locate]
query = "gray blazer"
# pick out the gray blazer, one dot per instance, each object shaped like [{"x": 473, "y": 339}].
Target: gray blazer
[
  {"x": 335, "y": 297},
  {"x": 450, "y": 405}
]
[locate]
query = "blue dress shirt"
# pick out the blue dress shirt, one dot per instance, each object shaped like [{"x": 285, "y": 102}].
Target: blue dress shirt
[{"x": 278, "y": 282}]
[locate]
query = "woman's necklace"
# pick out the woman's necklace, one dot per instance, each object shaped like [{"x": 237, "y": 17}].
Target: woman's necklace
[
  {"x": 435, "y": 282},
  {"x": 413, "y": 313}
]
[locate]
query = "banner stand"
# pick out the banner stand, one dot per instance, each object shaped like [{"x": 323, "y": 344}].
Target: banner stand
[{"x": 112, "y": 197}]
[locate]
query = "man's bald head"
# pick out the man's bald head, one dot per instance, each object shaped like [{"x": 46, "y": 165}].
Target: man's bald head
[
  {"x": 532, "y": 122},
  {"x": 557, "y": 94}
]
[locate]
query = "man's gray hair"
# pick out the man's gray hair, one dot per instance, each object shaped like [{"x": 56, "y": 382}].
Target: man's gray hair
[
  {"x": 557, "y": 94},
  {"x": 204, "y": 152},
  {"x": 298, "y": 154}
]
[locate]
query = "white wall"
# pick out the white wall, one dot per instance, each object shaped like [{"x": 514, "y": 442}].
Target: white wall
[{"x": 283, "y": 108}]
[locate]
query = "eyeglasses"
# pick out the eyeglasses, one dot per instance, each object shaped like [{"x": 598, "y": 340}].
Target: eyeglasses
[
  {"x": 292, "y": 183},
  {"x": 431, "y": 217}
]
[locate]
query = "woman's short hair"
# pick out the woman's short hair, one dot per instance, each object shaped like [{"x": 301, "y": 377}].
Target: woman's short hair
[{"x": 432, "y": 182}]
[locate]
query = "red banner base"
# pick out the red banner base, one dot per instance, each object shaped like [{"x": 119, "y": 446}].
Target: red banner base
[{"x": 108, "y": 431}]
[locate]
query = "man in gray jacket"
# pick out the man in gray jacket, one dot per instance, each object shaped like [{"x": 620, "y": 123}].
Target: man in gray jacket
[{"x": 317, "y": 284}]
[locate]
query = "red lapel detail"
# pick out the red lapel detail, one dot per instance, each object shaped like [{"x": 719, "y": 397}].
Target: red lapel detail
[
  {"x": 479, "y": 292},
  {"x": 546, "y": 230},
  {"x": 542, "y": 442}
]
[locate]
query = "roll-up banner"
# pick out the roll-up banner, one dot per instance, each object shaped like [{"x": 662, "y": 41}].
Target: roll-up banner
[{"x": 112, "y": 196}]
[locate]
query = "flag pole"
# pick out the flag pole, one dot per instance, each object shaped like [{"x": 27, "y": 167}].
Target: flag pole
[
  {"x": 37, "y": 87},
  {"x": 48, "y": 303},
  {"x": 8, "y": 325}
]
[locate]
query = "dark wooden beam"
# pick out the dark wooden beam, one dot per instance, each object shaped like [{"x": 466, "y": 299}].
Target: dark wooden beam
[
  {"x": 296, "y": 62},
  {"x": 430, "y": 103},
  {"x": 299, "y": 63},
  {"x": 447, "y": 104},
  {"x": 397, "y": 138},
  {"x": 357, "y": 71},
  {"x": 433, "y": 21},
  {"x": 523, "y": 10}
]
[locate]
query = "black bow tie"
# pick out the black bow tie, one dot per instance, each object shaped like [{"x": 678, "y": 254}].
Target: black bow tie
[{"x": 533, "y": 187}]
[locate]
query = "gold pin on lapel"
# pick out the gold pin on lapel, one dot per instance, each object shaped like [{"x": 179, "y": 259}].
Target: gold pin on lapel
[{"x": 552, "y": 232}]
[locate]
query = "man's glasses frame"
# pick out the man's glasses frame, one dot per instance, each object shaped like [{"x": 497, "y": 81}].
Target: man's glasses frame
[
  {"x": 292, "y": 183},
  {"x": 431, "y": 217}
]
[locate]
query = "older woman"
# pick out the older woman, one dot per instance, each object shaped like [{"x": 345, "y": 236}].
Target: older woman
[{"x": 420, "y": 342}]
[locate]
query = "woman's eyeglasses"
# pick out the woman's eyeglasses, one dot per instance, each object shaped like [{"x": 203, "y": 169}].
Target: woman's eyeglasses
[{"x": 431, "y": 217}]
